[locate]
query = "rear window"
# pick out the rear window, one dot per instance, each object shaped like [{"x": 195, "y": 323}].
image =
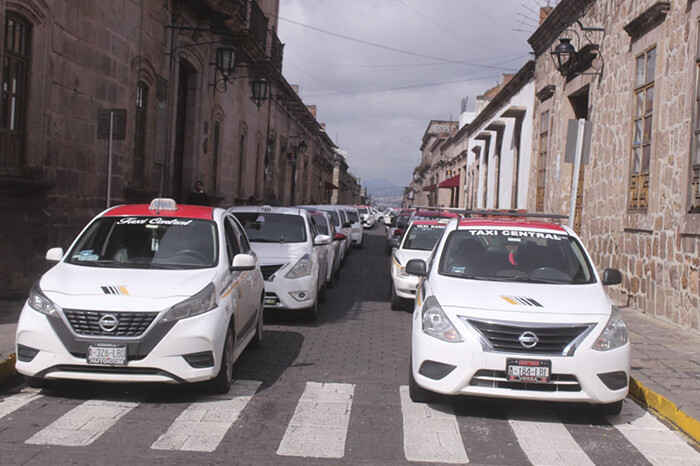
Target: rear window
[
  {"x": 515, "y": 255},
  {"x": 334, "y": 216},
  {"x": 147, "y": 242},
  {"x": 321, "y": 224},
  {"x": 352, "y": 216},
  {"x": 267, "y": 227}
]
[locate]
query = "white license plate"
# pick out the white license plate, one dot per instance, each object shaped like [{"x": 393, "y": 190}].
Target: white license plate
[
  {"x": 107, "y": 355},
  {"x": 528, "y": 370}
]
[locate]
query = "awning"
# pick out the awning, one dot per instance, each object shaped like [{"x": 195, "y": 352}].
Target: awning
[
  {"x": 330, "y": 185},
  {"x": 450, "y": 183},
  {"x": 430, "y": 188}
]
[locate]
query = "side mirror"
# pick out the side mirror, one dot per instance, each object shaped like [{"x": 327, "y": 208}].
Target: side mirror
[
  {"x": 339, "y": 237},
  {"x": 54, "y": 254},
  {"x": 611, "y": 277},
  {"x": 242, "y": 262},
  {"x": 416, "y": 267},
  {"x": 394, "y": 242},
  {"x": 320, "y": 240}
]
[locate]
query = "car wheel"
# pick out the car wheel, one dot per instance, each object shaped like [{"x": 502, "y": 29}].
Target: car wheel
[
  {"x": 611, "y": 409},
  {"x": 256, "y": 342},
  {"x": 35, "y": 382},
  {"x": 396, "y": 302},
  {"x": 222, "y": 382},
  {"x": 329, "y": 283},
  {"x": 337, "y": 274},
  {"x": 322, "y": 294},
  {"x": 417, "y": 393},
  {"x": 311, "y": 313}
]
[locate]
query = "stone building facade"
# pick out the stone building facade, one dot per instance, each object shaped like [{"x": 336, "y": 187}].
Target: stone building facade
[
  {"x": 68, "y": 66},
  {"x": 636, "y": 79},
  {"x": 427, "y": 175}
]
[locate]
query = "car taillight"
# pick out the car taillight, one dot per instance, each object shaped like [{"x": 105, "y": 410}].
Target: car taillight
[{"x": 398, "y": 232}]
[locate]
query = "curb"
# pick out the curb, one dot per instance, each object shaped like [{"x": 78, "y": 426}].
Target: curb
[
  {"x": 7, "y": 369},
  {"x": 666, "y": 409}
]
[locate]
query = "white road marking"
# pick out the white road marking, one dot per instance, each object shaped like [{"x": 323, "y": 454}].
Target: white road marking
[
  {"x": 546, "y": 442},
  {"x": 83, "y": 424},
  {"x": 660, "y": 445},
  {"x": 203, "y": 425},
  {"x": 429, "y": 434},
  {"x": 319, "y": 426},
  {"x": 14, "y": 402}
]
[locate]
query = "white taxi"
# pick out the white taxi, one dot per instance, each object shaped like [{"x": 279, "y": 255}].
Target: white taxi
[
  {"x": 289, "y": 247},
  {"x": 146, "y": 293},
  {"x": 514, "y": 308},
  {"x": 416, "y": 243}
]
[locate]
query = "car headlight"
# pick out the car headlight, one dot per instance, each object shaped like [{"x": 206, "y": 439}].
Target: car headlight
[
  {"x": 39, "y": 302},
  {"x": 400, "y": 270},
  {"x": 202, "y": 302},
  {"x": 302, "y": 268},
  {"x": 437, "y": 324},
  {"x": 615, "y": 333}
]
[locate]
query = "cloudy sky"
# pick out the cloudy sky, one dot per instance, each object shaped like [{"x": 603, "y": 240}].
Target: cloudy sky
[{"x": 380, "y": 70}]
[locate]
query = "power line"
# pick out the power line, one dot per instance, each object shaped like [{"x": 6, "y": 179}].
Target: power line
[
  {"x": 405, "y": 65},
  {"x": 384, "y": 47}
]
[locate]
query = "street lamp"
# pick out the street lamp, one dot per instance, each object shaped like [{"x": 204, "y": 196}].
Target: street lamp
[
  {"x": 258, "y": 90},
  {"x": 570, "y": 59}
]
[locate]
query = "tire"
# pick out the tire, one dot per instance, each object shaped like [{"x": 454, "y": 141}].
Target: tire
[
  {"x": 417, "y": 393},
  {"x": 330, "y": 283},
  {"x": 396, "y": 302},
  {"x": 311, "y": 313},
  {"x": 222, "y": 382},
  {"x": 336, "y": 275},
  {"x": 35, "y": 382},
  {"x": 322, "y": 293},
  {"x": 611, "y": 409},
  {"x": 256, "y": 342}
]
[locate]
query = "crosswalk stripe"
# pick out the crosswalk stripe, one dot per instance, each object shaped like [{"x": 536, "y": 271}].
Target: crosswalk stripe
[
  {"x": 203, "y": 425},
  {"x": 659, "y": 444},
  {"x": 430, "y": 435},
  {"x": 12, "y": 403},
  {"x": 319, "y": 426},
  {"x": 83, "y": 424},
  {"x": 545, "y": 442}
]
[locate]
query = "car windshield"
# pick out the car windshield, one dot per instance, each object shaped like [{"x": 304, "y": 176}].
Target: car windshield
[
  {"x": 352, "y": 216},
  {"x": 422, "y": 237},
  {"x": 147, "y": 242},
  {"x": 362, "y": 210},
  {"x": 402, "y": 221},
  {"x": 267, "y": 227},
  {"x": 321, "y": 224},
  {"x": 334, "y": 216},
  {"x": 515, "y": 255}
]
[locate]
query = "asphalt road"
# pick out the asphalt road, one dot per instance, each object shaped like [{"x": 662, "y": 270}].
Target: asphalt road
[{"x": 328, "y": 392}]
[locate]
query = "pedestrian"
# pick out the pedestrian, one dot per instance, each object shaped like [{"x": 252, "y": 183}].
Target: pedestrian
[{"x": 198, "y": 196}]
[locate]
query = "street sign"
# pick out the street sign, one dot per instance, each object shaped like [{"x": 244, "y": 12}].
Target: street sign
[
  {"x": 104, "y": 116},
  {"x": 571, "y": 138}
]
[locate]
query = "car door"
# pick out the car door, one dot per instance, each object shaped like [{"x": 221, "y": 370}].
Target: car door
[{"x": 239, "y": 286}]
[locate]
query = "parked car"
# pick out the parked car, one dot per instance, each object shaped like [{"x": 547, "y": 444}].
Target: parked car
[
  {"x": 514, "y": 309},
  {"x": 366, "y": 216},
  {"x": 396, "y": 228},
  {"x": 290, "y": 252},
  {"x": 416, "y": 243},
  {"x": 324, "y": 224},
  {"x": 340, "y": 222},
  {"x": 356, "y": 236},
  {"x": 146, "y": 293}
]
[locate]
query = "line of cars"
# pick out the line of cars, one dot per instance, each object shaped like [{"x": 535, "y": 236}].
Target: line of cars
[
  {"x": 174, "y": 293},
  {"x": 508, "y": 306}
]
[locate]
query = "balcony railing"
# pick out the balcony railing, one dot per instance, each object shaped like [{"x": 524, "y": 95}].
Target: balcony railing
[
  {"x": 257, "y": 24},
  {"x": 276, "y": 51}
]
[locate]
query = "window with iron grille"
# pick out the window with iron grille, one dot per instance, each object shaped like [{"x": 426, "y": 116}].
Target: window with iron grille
[
  {"x": 13, "y": 100},
  {"x": 641, "y": 130},
  {"x": 140, "y": 132},
  {"x": 215, "y": 157},
  {"x": 694, "y": 201},
  {"x": 542, "y": 160}
]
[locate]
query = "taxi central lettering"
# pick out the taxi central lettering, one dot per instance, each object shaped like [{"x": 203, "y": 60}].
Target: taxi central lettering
[
  {"x": 153, "y": 221},
  {"x": 516, "y": 233}
]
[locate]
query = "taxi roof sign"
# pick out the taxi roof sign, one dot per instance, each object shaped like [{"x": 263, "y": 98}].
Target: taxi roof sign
[{"x": 163, "y": 203}]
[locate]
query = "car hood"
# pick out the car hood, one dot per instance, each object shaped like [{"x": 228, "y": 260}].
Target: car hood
[
  {"x": 405, "y": 255},
  {"x": 79, "y": 286},
  {"x": 520, "y": 301},
  {"x": 274, "y": 253}
]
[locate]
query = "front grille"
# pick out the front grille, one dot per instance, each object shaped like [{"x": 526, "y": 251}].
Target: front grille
[
  {"x": 553, "y": 339},
  {"x": 269, "y": 270},
  {"x": 498, "y": 379},
  {"x": 130, "y": 324}
]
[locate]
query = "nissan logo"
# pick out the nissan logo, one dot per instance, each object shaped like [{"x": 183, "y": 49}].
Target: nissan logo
[
  {"x": 528, "y": 340},
  {"x": 108, "y": 323}
]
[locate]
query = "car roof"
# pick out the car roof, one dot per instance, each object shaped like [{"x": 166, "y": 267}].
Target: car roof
[
  {"x": 269, "y": 209},
  {"x": 144, "y": 210},
  {"x": 511, "y": 223},
  {"x": 436, "y": 213},
  {"x": 429, "y": 222}
]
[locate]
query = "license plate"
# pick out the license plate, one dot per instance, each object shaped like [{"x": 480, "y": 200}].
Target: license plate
[
  {"x": 107, "y": 354},
  {"x": 528, "y": 370}
]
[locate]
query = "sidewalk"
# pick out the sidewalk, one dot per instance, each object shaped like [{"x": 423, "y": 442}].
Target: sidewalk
[{"x": 665, "y": 364}]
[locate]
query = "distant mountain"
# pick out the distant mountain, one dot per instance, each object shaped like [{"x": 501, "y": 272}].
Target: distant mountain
[
  {"x": 378, "y": 184},
  {"x": 383, "y": 192}
]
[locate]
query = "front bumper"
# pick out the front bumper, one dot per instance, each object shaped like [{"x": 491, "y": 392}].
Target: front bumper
[
  {"x": 405, "y": 287},
  {"x": 286, "y": 293},
  {"x": 465, "y": 368},
  {"x": 155, "y": 356}
]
